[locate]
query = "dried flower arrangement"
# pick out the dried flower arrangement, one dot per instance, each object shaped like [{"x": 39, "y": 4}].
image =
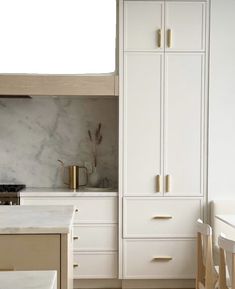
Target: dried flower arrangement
[{"x": 95, "y": 141}]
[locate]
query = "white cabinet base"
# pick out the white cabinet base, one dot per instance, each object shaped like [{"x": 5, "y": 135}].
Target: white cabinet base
[{"x": 159, "y": 259}]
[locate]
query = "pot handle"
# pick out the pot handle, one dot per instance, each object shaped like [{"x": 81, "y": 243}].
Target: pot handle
[
  {"x": 84, "y": 168},
  {"x": 63, "y": 172}
]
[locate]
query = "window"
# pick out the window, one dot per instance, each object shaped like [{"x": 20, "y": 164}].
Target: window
[{"x": 57, "y": 36}]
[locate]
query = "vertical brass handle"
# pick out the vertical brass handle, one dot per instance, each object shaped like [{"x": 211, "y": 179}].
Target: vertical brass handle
[
  {"x": 168, "y": 183},
  {"x": 159, "y": 38},
  {"x": 158, "y": 186},
  {"x": 169, "y": 38}
]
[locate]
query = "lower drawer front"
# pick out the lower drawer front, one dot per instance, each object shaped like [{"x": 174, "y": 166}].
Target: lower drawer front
[
  {"x": 99, "y": 265},
  {"x": 95, "y": 237},
  {"x": 159, "y": 259}
]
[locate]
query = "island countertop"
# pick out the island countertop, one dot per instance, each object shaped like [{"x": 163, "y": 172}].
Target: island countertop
[
  {"x": 36, "y": 219},
  {"x": 28, "y": 280}
]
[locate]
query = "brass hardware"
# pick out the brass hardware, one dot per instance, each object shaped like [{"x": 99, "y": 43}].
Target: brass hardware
[
  {"x": 162, "y": 217},
  {"x": 169, "y": 38},
  {"x": 75, "y": 265},
  {"x": 162, "y": 259},
  {"x": 168, "y": 183},
  {"x": 159, "y": 38},
  {"x": 75, "y": 238},
  {"x": 158, "y": 188},
  {"x": 5, "y": 270}
]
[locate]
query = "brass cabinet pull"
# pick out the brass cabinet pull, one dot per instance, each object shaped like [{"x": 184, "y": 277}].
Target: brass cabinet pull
[
  {"x": 162, "y": 217},
  {"x": 75, "y": 265},
  {"x": 5, "y": 270},
  {"x": 159, "y": 38},
  {"x": 169, "y": 38},
  {"x": 75, "y": 238},
  {"x": 168, "y": 183},
  {"x": 158, "y": 187},
  {"x": 162, "y": 259}
]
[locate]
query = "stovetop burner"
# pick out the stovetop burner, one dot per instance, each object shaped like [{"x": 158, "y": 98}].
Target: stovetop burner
[{"x": 10, "y": 188}]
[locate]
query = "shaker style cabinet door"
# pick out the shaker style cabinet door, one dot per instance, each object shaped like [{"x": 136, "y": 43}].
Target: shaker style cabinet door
[
  {"x": 143, "y": 22},
  {"x": 184, "y": 95},
  {"x": 142, "y": 123},
  {"x": 185, "y": 26}
]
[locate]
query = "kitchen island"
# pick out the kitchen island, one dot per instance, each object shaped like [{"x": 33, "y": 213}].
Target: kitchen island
[
  {"x": 28, "y": 280},
  {"x": 37, "y": 238}
]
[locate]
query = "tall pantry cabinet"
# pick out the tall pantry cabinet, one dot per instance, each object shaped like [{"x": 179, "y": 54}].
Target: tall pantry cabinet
[{"x": 163, "y": 120}]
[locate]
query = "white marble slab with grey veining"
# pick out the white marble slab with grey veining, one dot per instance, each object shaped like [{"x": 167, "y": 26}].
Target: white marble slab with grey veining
[
  {"x": 36, "y": 219},
  {"x": 35, "y": 133},
  {"x": 65, "y": 192},
  {"x": 28, "y": 280}
]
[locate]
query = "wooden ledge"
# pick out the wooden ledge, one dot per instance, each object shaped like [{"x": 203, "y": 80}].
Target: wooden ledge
[{"x": 58, "y": 85}]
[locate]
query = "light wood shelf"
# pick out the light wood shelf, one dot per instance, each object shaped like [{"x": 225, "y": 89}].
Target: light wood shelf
[{"x": 58, "y": 85}]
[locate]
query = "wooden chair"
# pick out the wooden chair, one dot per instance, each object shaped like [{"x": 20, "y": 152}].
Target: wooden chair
[
  {"x": 227, "y": 263},
  {"x": 206, "y": 274}
]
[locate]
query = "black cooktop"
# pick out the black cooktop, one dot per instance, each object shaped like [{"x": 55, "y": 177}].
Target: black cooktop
[{"x": 10, "y": 188}]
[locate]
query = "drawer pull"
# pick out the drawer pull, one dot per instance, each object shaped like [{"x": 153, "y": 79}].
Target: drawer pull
[
  {"x": 166, "y": 217},
  {"x": 76, "y": 210},
  {"x": 75, "y": 265},
  {"x": 162, "y": 259},
  {"x": 75, "y": 238}
]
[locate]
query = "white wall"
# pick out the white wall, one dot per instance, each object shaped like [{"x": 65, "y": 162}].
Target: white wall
[{"x": 222, "y": 101}]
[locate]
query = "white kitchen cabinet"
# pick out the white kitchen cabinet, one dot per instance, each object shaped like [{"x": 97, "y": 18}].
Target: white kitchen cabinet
[
  {"x": 164, "y": 25},
  {"x": 163, "y": 108},
  {"x": 94, "y": 230},
  {"x": 163, "y": 131},
  {"x": 143, "y": 88},
  {"x": 159, "y": 259},
  {"x": 96, "y": 237},
  {"x": 160, "y": 217},
  {"x": 148, "y": 19},
  {"x": 95, "y": 265},
  {"x": 183, "y": 119},
  {"x": 185, "y": 26}
]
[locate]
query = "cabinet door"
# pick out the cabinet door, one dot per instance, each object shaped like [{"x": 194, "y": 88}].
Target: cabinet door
[
  {"x": 186, "y": 23},
  {"x": 30, "y": 252},
  {"x": 142, "y": 119},
  {"x": 184, "y": 94},
  {"x": 143, "y": 25}
]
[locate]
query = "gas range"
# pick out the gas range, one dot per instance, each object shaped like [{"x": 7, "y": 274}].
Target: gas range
[{"x": 9, "y": 194}]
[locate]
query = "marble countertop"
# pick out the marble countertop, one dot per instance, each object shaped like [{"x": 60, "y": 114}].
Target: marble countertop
[
  {"x": 65, "y": 192},
  {"x": 28, "y": 280},
  {"x": 36, "y": 219}
]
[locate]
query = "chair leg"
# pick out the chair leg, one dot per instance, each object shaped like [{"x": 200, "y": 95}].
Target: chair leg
[
  {"x": 200, "y": 277},
  {"x": 222, "y": 270}
]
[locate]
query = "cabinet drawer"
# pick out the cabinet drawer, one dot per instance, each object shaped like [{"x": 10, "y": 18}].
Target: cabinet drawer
[
  {"x": 95, "y": 237},
  {"x": 153, "y": 217},
  {"x": 159, "y": 259},
  {"x": 89, "y": 209},
  {"x": 95, "y": 265}
]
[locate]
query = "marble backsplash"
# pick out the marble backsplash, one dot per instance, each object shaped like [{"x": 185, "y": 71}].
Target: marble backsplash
[{"x": 35, "y": 133}]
